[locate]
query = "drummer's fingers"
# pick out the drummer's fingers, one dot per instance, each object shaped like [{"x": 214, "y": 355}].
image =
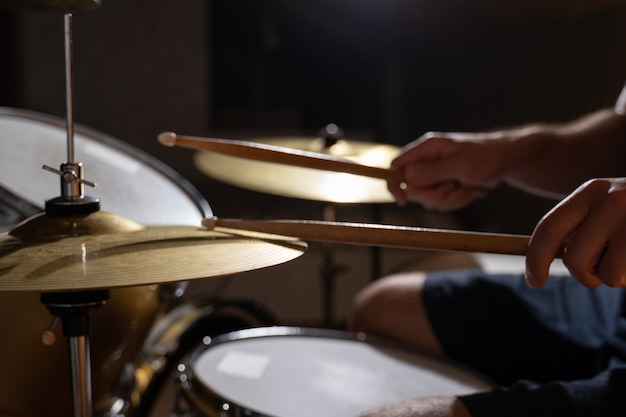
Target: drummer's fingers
[
  {"x": 611, "y": 266},
  {"x": 581, "y": 225},
  {"x": 430, "y": 173},
  {"x": 397, "y": 189},
  {"x": 464, "y": 194},
  {"x": 446, "y": 196},
  {"x": 593, "y": 263},
  {"x": 590, "y": 226},
  {"x": 431, "y": 198},
  {"x": 582, "y": 254},
  {"x": 549, "y": 236},
  {"x": 430, "y": 146},
  {"x": 594, "y": 251}
]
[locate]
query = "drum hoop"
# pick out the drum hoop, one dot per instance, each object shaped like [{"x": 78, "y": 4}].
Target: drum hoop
[
  {"x": 313, "y": 332},
  {"x": 192, "y": 193},
  {"x": 199, "y": 391}
]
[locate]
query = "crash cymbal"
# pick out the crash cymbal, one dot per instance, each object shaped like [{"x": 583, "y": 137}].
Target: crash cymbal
[
  {"x": 54, "y": 5},
  {"x": 49, "y": 253},
  {"x": 303, "y": 182}
]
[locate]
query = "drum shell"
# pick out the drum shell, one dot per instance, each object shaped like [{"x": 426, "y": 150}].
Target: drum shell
[{"x": 336, "y": 384}]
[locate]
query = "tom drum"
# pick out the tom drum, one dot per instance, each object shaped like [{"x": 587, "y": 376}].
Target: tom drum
[{"x": 291, "y": 371}]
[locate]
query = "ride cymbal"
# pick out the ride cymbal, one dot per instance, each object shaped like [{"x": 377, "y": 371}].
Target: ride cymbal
[
  {"x": 306, "y": 183},
  {"x": 50, "y": 253}
]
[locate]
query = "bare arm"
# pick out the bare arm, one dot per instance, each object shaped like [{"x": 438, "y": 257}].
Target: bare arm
[
  {"x": 555, "y": 159},
  {"x": 446, "y": 171}
]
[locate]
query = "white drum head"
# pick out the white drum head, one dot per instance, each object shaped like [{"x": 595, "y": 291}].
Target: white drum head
[
  {"x": 285, "y": 372},
  {"x": 130, "y": 183}
]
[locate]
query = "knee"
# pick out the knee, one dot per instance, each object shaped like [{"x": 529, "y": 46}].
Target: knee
[
  {"x": 367, "y": 306},
  {"x": 385, "y": 304},
  {"x": 393, "y": 308}
]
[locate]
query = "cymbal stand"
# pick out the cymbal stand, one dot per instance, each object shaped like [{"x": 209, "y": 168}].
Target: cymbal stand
[
  {"x": 74, "y": 308},
  {"x": 331, "y": 133},
  {"x": 328, "y": 272},
  {"x": 329, "y": 268}
]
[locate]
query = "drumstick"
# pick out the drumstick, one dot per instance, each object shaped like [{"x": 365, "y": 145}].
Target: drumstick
[
  {"x": 279, "y": 155},
  {"x": 381, "y": 235}
]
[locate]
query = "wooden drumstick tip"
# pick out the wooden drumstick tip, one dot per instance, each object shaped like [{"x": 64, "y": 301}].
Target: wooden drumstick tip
[
  {"x": 209, "y": 222},
  {"x": 167, "y": 139}
]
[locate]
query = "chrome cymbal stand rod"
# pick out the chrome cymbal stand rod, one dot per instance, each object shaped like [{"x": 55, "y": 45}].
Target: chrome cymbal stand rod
[
  {"x": 74, "y": 310},
  {"x": 71, "y": 172},
  {"x": 328, "y": 273},
  {"x": 81, "y": 374},
  {"x": 69, "y": 86}
]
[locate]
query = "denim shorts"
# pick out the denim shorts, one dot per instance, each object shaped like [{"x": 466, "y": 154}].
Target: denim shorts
[{"x": 502, "y": 328}]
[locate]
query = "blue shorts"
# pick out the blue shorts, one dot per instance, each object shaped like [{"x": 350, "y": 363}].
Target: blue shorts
[{"x": 508, "y": 331}]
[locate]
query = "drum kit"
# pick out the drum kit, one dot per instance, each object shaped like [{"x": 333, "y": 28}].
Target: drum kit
[{"x": 112, "y": 281}]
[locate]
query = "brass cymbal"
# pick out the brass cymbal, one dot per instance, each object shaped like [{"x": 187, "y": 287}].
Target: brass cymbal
[
  {"x": 306, "y": 183},
  {"x": 50, "y": 253}
]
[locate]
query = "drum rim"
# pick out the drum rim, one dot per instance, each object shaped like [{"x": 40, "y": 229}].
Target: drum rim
[
  {"x": 159, "y": 166},
  {"x": 205, "y": 399}
]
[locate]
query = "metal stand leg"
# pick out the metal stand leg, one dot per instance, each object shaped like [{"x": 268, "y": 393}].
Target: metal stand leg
[
  {"x": 328, "y": 272},
  {"x": 74, "y": 310},
  {"x": 80, "y": 361}
]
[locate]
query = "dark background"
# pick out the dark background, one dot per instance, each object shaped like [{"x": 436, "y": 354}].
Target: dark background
[{"x": 385, "y": 71}]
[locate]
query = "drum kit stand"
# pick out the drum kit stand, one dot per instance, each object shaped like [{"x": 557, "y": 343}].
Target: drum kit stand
[
  {"x": 74, "y": 308},
  {"x": 73, "y": 252}
]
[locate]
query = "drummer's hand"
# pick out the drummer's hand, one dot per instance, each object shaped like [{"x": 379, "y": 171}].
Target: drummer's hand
[
  {"x": 446, "y": 171},
  {"x": 426, "y": 407},
  {"x": 590, "y": 226}
]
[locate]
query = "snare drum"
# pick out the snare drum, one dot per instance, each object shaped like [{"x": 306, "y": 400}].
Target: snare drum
[
  {"x": 34, "y": 379},
  {"x": 290, "y": 371}
]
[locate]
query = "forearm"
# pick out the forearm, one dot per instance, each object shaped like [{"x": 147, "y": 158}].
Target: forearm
[
  {"x": 447, "y": 170},
  {"x": 555, "y": 159}
]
